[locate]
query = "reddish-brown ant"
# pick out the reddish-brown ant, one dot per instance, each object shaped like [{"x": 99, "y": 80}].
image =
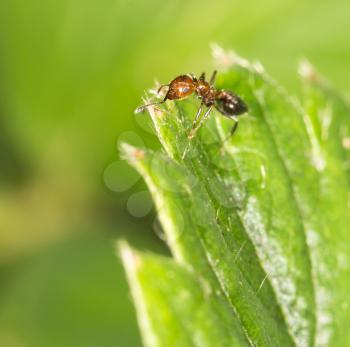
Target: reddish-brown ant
[{"x": 226, "y": 102}]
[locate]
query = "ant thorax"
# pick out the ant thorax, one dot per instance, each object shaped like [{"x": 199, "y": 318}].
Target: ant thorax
[{"x": 205, "y": 92}]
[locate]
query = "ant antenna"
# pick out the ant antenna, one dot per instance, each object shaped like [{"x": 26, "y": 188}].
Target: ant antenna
[
  {"x": 161, "y": 87},
  {"x": 143, "y": 107}
]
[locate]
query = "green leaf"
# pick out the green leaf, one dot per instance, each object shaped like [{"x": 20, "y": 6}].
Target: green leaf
[
  {"x": 259, "y": 219},
  {"x": 328, "y": 117},
  {"x": 184, "y": 314}
]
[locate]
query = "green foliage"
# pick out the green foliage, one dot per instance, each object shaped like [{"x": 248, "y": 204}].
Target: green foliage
[
  {"x": 258, "y": 225},
  {"x": 53, "y": 301},
  {"x": 71, "y": 72}
]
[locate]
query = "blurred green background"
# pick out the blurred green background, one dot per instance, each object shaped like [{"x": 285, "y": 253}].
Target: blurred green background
[{"x": 71, "y": 73}]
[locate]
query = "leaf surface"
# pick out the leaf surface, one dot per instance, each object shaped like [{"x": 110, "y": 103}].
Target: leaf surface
[{"x": 259, "y": 220}]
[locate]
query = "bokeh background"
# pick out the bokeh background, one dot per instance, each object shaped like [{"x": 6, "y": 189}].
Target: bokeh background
[{"x": 71, "y": 73}]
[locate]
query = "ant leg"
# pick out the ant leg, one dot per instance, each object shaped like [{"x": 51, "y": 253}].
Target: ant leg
[
  {"x": 232, "y": 131},
  {"x": 212, "y": 78},
  {"x": 198, "y": 125},
  {"x": 206, "y": 115},
  {"x": 202, "y": 76},
  {"x": 193, "y": 127},
  {"x": 197, "y": 115}
]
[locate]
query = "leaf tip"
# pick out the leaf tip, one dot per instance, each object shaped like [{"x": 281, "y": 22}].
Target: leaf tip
[
  {"x": 131, "y": 153},
  {"x": 307, "y": 71},
  {"x": 129, "y": 257},
  {"x": 227, "y": 58}
]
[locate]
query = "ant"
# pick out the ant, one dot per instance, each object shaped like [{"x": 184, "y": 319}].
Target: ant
[{"x": 227, "y": 103}]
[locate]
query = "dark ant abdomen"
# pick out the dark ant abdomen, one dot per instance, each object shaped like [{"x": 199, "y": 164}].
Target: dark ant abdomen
[{"x": 229, "y": 104}]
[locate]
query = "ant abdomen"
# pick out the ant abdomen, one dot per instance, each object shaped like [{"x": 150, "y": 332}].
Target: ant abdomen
[{"x": 229, "y": 104}]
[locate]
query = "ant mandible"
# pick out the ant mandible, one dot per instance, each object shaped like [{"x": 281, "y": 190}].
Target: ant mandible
[{"x": 227, "y": 103}]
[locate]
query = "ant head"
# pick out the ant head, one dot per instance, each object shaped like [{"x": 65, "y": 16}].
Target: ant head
[
  {"x": 229, "y": 104},
  {"x": 181, "y": 86}
]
